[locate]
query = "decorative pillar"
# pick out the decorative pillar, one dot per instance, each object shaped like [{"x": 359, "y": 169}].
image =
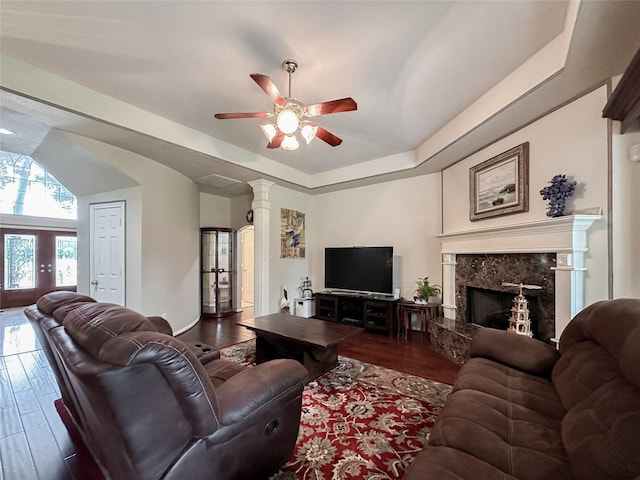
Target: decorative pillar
[
  {"x": 449, "y": 285},
  {"x": 261, "y": 208},
  {"x": 570, "y": 271}
]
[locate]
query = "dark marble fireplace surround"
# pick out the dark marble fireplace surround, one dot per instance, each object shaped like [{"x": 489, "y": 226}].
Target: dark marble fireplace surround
[{"x": 489, "y": 271}]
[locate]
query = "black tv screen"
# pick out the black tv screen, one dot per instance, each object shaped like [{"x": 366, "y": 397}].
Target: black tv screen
[{"x": 364, "y": 269}]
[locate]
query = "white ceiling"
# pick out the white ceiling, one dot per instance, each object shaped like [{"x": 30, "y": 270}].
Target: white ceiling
[{"x": 434, "y": 81}]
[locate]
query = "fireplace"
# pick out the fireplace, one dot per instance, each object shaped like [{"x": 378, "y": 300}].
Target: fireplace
[
  {"x": 483, "y": 275},
  {"x": 550, "y": 253},
  {"x": 492, "y": 308}
]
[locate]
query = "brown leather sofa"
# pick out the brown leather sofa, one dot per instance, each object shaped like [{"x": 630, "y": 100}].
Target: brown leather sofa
[
  {"x": 149, "y": 408},
  {"x": 521, "y": 409}
]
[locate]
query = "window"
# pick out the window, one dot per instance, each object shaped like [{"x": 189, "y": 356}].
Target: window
[
  {"x": 19, "y": 261},
  {"x": 66, "y": 261},
  {"x": 27, "y": 189}
]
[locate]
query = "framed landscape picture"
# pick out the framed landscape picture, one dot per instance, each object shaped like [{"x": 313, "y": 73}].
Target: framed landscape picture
[{"x": 500, "y": 185}]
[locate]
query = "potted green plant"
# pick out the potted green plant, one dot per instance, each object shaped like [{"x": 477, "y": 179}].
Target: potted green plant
[{"x": 425, "y": 290}]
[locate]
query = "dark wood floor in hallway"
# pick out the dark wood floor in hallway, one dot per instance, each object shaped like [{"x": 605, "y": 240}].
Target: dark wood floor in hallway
[{"x": 34, "y": 443}]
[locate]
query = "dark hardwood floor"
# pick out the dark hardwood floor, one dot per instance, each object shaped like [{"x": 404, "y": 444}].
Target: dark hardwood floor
[{"x": 34, "y": 443}]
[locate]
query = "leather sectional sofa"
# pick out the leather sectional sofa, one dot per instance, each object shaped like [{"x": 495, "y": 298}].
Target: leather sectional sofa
[
  {"x": 149, "y": 406},
  {"x": 520, "y": 409}
]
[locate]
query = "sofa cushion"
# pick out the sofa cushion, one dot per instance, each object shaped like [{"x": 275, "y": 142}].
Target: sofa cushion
[
  {"x": 601, "y": 432},
  {"x": 91, "y": 325},
  {"x": 615, "y": 327},
  {"x": 51, "y": 301},
  {"x": 516, "y": 440},
  {"x": 519, "y": 388},
  {"x": 444, "y": 463},
  {"x": 514, "y": 350}
]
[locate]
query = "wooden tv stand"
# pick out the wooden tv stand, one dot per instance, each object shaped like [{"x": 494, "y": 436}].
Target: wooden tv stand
[{"x": 372, "y": 312}]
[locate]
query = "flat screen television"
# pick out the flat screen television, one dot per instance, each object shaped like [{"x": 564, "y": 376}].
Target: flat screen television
[{"x": 361, "y": 269}]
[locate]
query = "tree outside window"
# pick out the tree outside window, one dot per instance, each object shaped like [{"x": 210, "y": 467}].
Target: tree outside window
[{"x": 27, "y": 189}]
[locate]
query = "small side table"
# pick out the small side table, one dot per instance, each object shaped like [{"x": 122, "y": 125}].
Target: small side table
[{"x": 427, "y": 312}]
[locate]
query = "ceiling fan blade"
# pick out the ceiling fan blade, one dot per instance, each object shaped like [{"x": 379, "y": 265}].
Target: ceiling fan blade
[
  {"x": 228, "y": 116},
  {"x": 328, "y": 137},
  {"x": 277, "y": 140},
  {"x": 268, "y": 87},
  {"x": 334, "y": 106}
]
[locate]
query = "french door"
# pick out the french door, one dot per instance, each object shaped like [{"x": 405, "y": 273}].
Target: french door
[{"x": 35, "y": 262}]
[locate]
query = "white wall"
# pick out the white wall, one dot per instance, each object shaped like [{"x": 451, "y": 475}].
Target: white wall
[
  {"x": 133, "y": 242},
  {"x": 404, "y": 214},
  {"x": 287, "y": 271},
  {"x": 162, "y": 229},
  {"x": 215, "y": 211},
  {"x": 571, "y": 140},
  {"x": 239, "y": 207},
  {"x": 625, "y": 216}
]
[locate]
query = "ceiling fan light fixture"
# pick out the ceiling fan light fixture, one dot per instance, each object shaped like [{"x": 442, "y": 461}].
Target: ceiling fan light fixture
[
  {"x": 269, "y": 130},
  {"x": 287, "y": 121},
  {"x": 308, "y": 131},
  {"x": 290, "y": 142}
]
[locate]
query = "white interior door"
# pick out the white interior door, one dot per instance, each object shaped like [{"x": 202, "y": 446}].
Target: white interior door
[
  {"x": 247, "y": 266},
  {"x": 107, "y": 252}
]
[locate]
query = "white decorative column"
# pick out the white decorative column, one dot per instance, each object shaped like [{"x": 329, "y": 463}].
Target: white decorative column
[
  {"x": 261, "y": 208},
  {"x": 570, "y": 270},
  {"x": 449, "y": 285}
]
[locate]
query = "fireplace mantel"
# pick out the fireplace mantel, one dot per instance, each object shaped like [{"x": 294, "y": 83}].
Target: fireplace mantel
[{"x": 565, "y": 236}]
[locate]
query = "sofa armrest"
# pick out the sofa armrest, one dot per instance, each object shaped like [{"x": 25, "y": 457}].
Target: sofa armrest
[
  {"x": 256, "y": 386},
  {"x": 162, "y": 325},
  {"x": 516, "y": 351},
  {"x": 209, "y": 357}
]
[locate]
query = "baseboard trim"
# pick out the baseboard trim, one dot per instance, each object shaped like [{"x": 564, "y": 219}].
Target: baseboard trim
[{"x": 184, "y": 329}]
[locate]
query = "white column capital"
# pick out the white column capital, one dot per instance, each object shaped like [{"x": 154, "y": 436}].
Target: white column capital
[{"x": 261, "y": 188}]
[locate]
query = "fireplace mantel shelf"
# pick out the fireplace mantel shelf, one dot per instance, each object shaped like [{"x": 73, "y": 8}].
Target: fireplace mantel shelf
[
  {"x": 564, "y": 223},
  {"x": 559, "y": 234}
]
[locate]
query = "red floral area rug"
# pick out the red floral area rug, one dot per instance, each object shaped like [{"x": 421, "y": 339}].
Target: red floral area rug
[{"x": 359, "y": 421}]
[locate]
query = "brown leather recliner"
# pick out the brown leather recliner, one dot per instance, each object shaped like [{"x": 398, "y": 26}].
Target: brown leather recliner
[
  {"x": 149, "y": 409},
  {"x": 49, "y": 312}
]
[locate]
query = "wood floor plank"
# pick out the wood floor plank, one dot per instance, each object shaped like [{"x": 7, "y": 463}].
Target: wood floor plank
[
  {"x": 27, "y": 401},
  {"x": 17, "y": 375},
  {"x": 41, "y": 385},
  {"x": 36, "y": 374},
  {"x": 17, "y": 463},
  {"x": 40, "y": 358},
  {"x": 49, "y": 462},
  {"x": 10, "y": 422},
  {"x": 6, "y": 392},
  {"x": 59, "y": 431},
  {"x": 30, "y": 365}
]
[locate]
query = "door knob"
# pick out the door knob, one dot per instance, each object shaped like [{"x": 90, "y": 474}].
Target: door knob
[{"x": 94, "y": 282}]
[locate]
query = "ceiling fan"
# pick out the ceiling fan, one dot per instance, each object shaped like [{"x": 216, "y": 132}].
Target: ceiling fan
[{"x": 291, "y": 114}]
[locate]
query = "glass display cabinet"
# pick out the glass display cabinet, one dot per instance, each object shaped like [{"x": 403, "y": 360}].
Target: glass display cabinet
[{"x": 216, "y": 271}]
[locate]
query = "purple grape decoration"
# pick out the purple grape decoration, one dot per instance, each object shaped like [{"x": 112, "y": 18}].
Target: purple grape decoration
[{"x": 557, "y": 193}]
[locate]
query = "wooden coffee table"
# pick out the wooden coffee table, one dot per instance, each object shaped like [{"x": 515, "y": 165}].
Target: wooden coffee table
[{"x": 312, "y": 342}]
